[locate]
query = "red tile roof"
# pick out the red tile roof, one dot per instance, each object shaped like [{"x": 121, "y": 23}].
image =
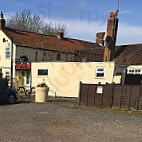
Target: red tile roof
[
  {"x": 34, "y": 40},
  {"x": 125, "y": 54},
  {"x": 129, "y": 54}
]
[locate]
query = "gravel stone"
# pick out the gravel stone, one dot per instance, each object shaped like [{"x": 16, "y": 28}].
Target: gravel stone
[{"x": 32, "y": 122}]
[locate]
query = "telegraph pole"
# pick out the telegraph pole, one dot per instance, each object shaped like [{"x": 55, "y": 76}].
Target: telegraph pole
[
  {"x": 118, "y": 6},
  {"x": 11, "y": 62}
]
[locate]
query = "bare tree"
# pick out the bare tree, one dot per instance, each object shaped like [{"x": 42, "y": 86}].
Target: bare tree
[{"x": 26, "y": 21}]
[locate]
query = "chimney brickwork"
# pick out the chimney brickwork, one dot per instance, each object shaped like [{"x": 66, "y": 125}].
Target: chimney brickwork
[
  {"x": 60, "y": 35},
  {"x": 112, "y": 27},
  {"x": 100, "y": 38},
  {"x": 2, "y": 21}
]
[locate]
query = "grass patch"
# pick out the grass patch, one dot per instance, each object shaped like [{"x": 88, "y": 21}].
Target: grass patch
[{"x": 95, "y": 109}]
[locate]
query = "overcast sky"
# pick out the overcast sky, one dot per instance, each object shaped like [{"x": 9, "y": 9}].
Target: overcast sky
[{"x": 84, "y": 18}]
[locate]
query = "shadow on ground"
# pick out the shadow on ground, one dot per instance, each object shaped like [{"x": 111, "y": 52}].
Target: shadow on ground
[{"x": 51, "y": 100}]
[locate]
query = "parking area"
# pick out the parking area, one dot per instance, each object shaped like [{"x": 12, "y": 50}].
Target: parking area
[{"x": 52, "y": 122}]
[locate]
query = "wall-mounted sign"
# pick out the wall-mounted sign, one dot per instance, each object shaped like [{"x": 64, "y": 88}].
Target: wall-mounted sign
[{"x": 99, "y": 90}]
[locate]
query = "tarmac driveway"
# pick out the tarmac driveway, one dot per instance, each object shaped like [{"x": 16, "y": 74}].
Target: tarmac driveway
[{"x": 31, "y": 122}]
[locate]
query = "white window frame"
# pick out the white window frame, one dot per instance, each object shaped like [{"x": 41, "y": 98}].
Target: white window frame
[
  {"x": 42, "y": 75},
  {"x": 104, "y": 71},
  {"x": 7, "y": 50}
]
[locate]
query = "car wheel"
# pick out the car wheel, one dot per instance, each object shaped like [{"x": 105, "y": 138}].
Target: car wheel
[{"x": 11, "y": 99}]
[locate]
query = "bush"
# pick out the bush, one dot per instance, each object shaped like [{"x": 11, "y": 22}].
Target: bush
[
  {"x": 42, "y": 85},
  {"x": 3, "y": 81}
]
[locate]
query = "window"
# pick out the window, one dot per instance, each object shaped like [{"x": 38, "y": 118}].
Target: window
[
  {"x": 138, "y": 71},
  {"x": 43, "y": 72},
  {"x": 135, "y": 71},
  {"x": 7, "y": 74},
  {"x": 100, "y": 72},
  {"x": 7, "y": 53},
  {"x": 131, "y": 72}
]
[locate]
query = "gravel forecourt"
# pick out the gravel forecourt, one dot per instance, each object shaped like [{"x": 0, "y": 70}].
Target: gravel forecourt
[{"x": 32, "y": 122}]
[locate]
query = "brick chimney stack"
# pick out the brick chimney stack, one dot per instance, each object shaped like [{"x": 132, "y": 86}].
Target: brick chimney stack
[
  {"x": 2, "y": 21},
  {"x": 112, "y": 27},
  {"x": 100, "y": 38}
]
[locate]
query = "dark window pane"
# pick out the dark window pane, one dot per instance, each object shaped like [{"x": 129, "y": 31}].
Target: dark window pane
[
  {"x": 100, "y": 74},
  {"x": 42, "y": 72},
  {"x": 100, "y": 69}
]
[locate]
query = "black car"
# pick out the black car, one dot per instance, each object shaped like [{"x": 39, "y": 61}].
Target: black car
[{"x": 7, "y": 95}]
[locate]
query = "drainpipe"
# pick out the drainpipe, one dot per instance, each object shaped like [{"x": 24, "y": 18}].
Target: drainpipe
[{"x": 11, "y": 62}]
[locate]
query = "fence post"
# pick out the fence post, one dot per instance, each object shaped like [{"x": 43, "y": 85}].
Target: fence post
[
  {"x": 121, "y": 97},
  {"x": 130, "y": 97},
  {"x": 95, "y": 95},
  {"x": 87, "y": 95},
  {"x": 80, "y": 90},
  {"x": 103, "y": 96},
  {"x": 139, "y": 99},
  {"x": 112, "y": 95}
]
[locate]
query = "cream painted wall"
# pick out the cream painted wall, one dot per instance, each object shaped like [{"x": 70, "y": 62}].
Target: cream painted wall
[
  {"x": 131, "y": 67},
  {"x": 5, "y": 64},
  {"x": 117, "y": 79},
  {"x": 64, "y": 78}
]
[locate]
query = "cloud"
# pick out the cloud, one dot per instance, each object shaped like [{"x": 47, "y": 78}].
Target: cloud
[
  {"x": 127, "y": 34},
  {"x": 125, "y": 12},
  {"x": 83, "y": 30}
]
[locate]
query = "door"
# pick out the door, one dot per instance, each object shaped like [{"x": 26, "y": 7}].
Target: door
[{"x": 28, "y": 80}]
